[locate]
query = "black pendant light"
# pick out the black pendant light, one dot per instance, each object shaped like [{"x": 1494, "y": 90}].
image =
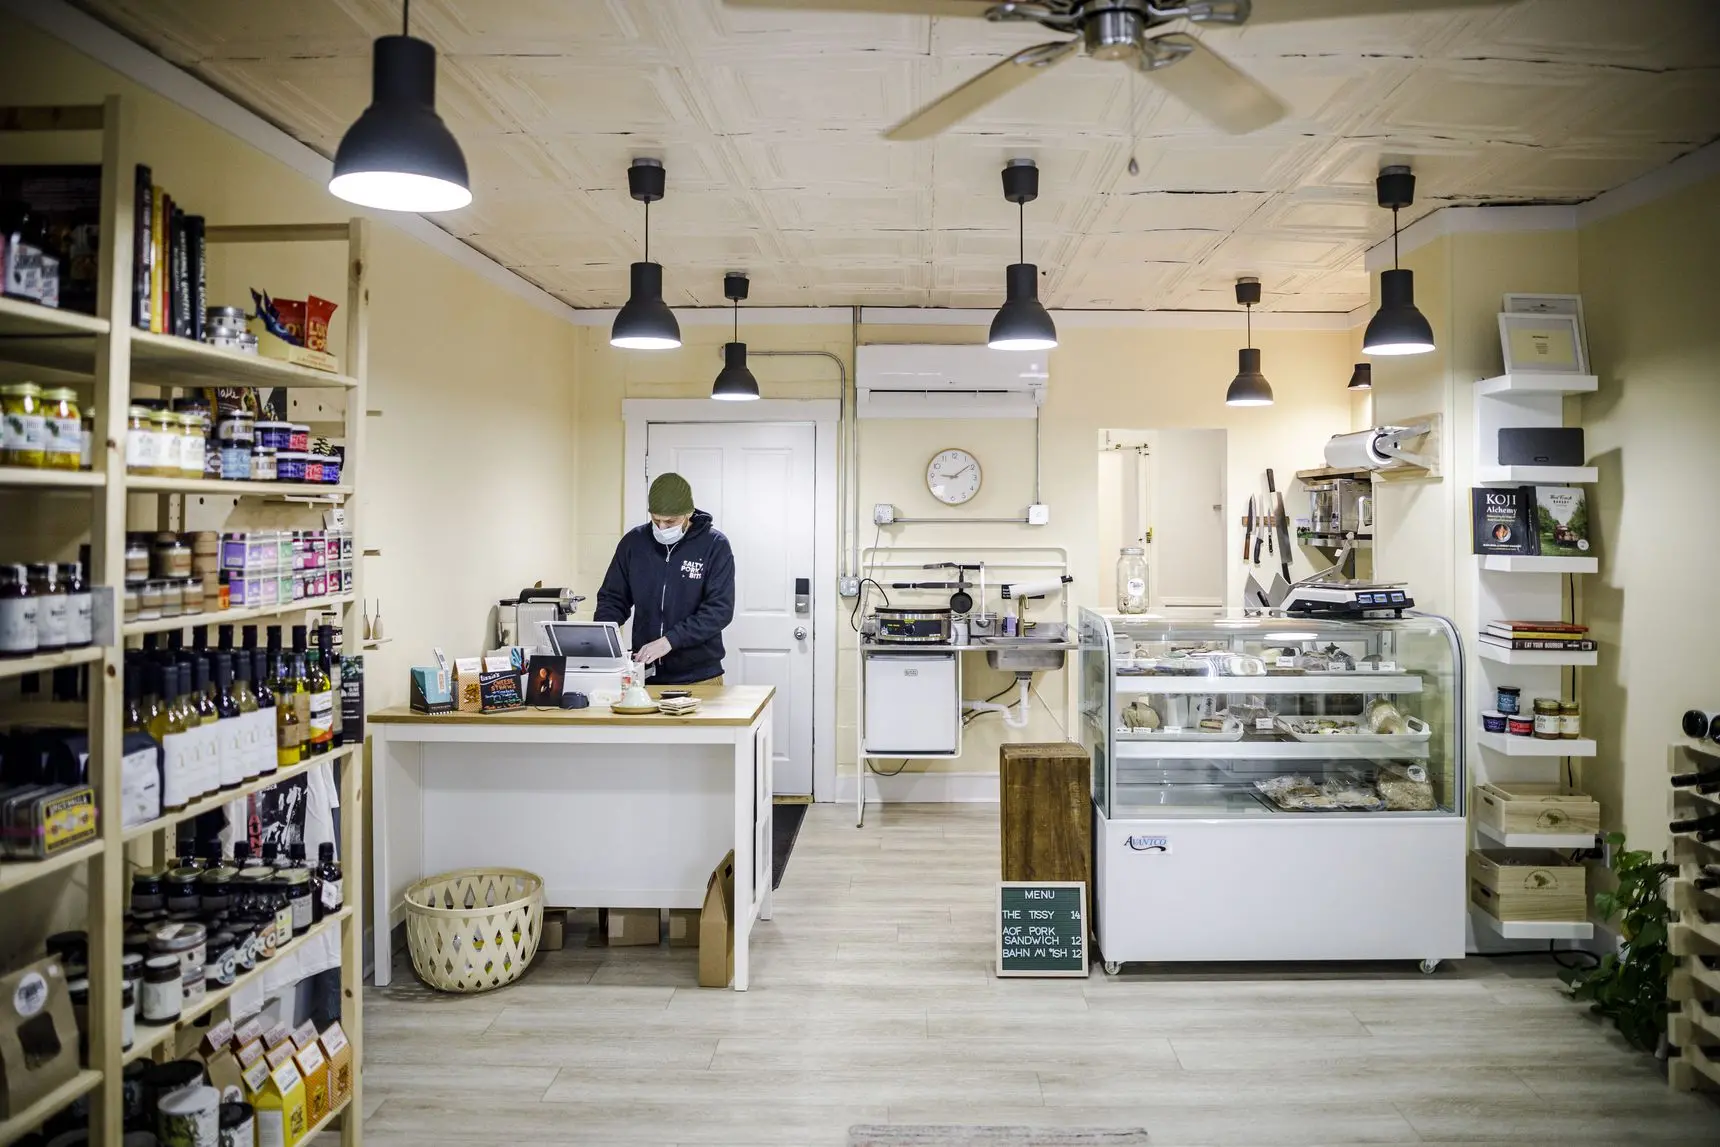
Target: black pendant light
[
  {"x": 1021, "y": 323},
  {"x": 735, "y": 383},
  {"x": 1249, "y": 387},
  {"x": 646, "y": 322},
  {"x": 1362, "y": 377},
  {"x": 1397, "y": 327},
  {"x": 399, "y": 155}
]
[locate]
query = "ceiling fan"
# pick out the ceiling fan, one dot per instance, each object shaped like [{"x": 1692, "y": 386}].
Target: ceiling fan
[{"x": 1147, "y": 34}]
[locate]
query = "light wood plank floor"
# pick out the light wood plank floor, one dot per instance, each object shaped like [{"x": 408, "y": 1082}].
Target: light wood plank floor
[{"x": 873, "y": 1001}]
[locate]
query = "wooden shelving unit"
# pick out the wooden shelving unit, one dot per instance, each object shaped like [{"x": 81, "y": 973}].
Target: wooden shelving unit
[
  {"x": 107, "y": 357},
  {"x": 1693, "y": 1028}
]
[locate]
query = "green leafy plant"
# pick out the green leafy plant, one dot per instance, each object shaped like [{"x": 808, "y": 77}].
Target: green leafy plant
[{"x": 1629, "y": 986}]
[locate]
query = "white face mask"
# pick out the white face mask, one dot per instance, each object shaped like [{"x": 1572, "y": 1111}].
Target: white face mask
[{"x": 669, "y": 536}]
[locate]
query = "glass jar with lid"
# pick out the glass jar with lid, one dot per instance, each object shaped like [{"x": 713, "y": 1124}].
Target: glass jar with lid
[
  {"x": 172, "y": 597},
  {"x": 170, "y": 557},
  {"x": 17, "y": 612},
  {"x": 24, "y": 426},
  {"x": 190, "y": 444},
  {"x": 166, "y": 428},
  {"x": 210, "y": 461},
  {"x": 142, "y": 448},
  {"x": 62, "y": 429},
  {"x": 149, "y": 597},
  {"x": 136, "y": 556},
  {"x": 1131, "y": 580}
]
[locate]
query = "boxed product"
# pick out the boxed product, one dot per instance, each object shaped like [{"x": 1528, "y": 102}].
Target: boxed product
[
  {"x": 338, "y": 1051},
  {"x": 38, "y": 1035},
  {"x": 279, "y": 1098},
  {"x": 313, "y": 1069},
  {"x": 632, "y": 927},
  {"x": 717, "y": 927}
]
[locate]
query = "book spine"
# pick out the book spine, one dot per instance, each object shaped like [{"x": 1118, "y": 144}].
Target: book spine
[
  {"x": 181, "y": 277},
  {"x": 197, "y": 252},
  {"x": 1543, "y": 644},
  {"x": 142, "y": 249},
  {"x": 169, "y": 246},
  {"x": 157, "y": 260}
]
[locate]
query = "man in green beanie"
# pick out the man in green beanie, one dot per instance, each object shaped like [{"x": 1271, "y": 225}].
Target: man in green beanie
[{"x": 675, "y": 576}]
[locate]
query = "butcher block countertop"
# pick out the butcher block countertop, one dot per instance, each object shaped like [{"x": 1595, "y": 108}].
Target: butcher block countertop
[{"x": 722, "y": 705}]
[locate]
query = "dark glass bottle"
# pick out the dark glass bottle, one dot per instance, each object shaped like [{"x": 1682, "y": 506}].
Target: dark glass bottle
[{"x": 328, "y": 891}]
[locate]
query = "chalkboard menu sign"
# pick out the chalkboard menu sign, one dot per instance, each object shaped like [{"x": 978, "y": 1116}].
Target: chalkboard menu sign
[{"x": 1041, "y": 928}]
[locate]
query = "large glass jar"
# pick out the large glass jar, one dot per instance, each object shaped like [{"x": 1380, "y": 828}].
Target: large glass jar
[
  {"x": 63, "y": 429},
  {"x": 24, "y": 427},
  {"x": 210, "y": 462},
  {"x": 1131, "y": 580},
  {"x": 140, "y": 444},
  {"x": 167, "y": 430},
  {"x": 190, "y": 444}
]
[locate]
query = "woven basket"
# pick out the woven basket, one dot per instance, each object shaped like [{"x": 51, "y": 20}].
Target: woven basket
[{"x": 474, "y": 929}]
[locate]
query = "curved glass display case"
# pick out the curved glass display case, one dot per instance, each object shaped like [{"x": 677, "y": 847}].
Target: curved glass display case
[{"x": 1269, "y": 762}]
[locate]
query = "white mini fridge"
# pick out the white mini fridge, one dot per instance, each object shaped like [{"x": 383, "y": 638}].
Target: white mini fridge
[{"x": 913, "y": 703}]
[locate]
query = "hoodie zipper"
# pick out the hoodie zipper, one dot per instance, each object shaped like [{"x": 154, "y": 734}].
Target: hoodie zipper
[{"x": 663, "y": 596}]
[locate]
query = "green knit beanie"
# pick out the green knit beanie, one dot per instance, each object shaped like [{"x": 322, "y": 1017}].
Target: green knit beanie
[{"x": 670, "y": 496}]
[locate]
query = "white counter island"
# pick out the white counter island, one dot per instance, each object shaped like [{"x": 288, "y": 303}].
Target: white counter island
[{"x": 612, "y": 811}]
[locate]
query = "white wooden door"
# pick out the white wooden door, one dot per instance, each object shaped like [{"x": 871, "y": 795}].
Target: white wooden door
[
  {"x": 1184, "y": 504},
  {"x": 756, "y": 479}
]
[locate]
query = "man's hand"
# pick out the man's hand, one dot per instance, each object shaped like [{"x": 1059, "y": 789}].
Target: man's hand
[{"x": 654, "y": 651}]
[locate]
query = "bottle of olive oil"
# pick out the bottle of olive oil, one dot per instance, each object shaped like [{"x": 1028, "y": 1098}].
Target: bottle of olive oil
[
  {"x": 296, "y": 662},
  {"x": 289, "y": 729},
  {"x": 229, "y": 729},
  {"x": 245, "y": 702},
  {"x": 167, "y": 725},
  {"x": 321, "y": 690},
  {"x": 268, "y": 730},
  {"x": 202, "y": 699}
]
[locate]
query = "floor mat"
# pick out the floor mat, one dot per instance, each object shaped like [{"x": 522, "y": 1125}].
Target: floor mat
[{"x": 785, "y": 825}]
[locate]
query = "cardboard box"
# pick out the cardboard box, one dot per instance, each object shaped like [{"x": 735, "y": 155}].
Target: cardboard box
[
  {"x": 717, "y": 927},
  {"x": 38, "y": 1035},
  {"x": 225, "y": 1074},
  {"x": 468, "y": 684},
  {"x": 684, "y": 927},
  {"x": 554, "y": 934},
  {"x": 430, "y": 690},
  {"x": 279, "y": 1097},
  {"x": 633, "y": 927},
  {"x": 313, "y": 1069},
  {"x": 338, "y": 1052}
]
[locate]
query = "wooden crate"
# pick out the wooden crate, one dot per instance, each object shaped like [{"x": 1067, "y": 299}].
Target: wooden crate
[
  {"x": 1511, "y": 807},
  {"x": 1528, "y": 885}
]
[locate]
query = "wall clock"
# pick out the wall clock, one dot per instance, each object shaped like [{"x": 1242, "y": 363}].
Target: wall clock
[{"x": 953, "y": 476}]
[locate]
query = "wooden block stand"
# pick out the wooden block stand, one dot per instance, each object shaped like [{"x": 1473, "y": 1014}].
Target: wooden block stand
[{"x": 1046, "y": 814}]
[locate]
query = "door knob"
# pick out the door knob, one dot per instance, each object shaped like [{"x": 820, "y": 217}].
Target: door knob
[{"x": 800, "y": 633}]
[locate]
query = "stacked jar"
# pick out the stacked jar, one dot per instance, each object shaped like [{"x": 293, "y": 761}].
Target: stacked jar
[
  {"x": 42, "y": 429},
  {"x": 44, "y": 608}
]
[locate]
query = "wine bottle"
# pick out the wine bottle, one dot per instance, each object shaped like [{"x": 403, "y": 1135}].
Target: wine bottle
[
  {"x": 268, "y": 736},
  {"x": 1696, "y": 824},
  {"x": 230, "y": 729},
  {"x": 245, "y": 701},
  {"x": 321, "y": 694},
  {"x": 289, "y": 730},
  {"x": 331, "y": 667},
  {"x": 1693, "y": 780},
  {"x": 326, "y": 876},
  {"x": 301, "y": 687},
  {"x": 202, "y": 698},
  {"x": 167, "y": 725}
]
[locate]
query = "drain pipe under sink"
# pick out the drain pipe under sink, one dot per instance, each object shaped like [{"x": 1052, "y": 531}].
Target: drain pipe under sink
[{"x": 1014, "y": 716}]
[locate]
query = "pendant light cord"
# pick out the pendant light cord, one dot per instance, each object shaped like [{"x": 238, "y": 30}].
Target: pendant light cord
[
  {"x": 647, "y": 230},
  {"x": 1021, "y": 230},
  {"x": 1248, "y": 320},
  {"x": 737, "y": 303},
  {"x": 1394, "y": 238}
]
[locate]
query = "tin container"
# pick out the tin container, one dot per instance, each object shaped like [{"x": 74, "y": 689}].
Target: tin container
[
  {"x": 263, "y": 463},
  {"x": 1510, "y": 700},
  {"x": 275, "y": 435},
  {"x": 190, "y": 1118},
  {"x": 289, "y": 466},
  {"x": 1518, "y": 725}
]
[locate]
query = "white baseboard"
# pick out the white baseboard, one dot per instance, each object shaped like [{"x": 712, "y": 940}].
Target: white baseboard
[{"x": 922, "y": 788}]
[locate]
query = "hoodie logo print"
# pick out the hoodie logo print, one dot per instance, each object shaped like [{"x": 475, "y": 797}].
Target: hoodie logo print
[{"x": 693, "y": 571}]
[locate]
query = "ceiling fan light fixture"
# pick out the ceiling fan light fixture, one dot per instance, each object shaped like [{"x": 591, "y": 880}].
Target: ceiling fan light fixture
[
  {"x": 1397, "y": 328},
  {"x": 1362, "y": 377},
  {"x": 399, "y": 155},
  {"x": 735, "y": 382},
  {"x": 1249, "y": 387},
  {"x": 645, "y": 322}
]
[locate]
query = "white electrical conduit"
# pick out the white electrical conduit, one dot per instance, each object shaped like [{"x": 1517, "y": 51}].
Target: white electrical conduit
[{"x": 1014, "y": 716}]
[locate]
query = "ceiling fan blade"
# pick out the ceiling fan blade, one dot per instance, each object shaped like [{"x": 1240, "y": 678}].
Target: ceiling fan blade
[
  {"x": 998, "y": 80},
  {"x": 1279, "y": 11},
  {"x": 1216, "y": 89},
  {"x": 974, "y": 8}
]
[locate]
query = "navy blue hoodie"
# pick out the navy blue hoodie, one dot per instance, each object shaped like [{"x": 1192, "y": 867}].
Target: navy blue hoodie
[{"x": 684, "y": 592}]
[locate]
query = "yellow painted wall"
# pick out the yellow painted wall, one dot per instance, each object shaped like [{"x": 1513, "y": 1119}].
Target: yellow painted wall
[
  {"x": 1647, "y": 282},
  {"x": 471, "y": 472},
  {"x": 1100, "y": 378}
]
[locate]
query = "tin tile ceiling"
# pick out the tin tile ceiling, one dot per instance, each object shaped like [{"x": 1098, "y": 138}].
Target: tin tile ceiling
[{"x": 768, "y": 123}]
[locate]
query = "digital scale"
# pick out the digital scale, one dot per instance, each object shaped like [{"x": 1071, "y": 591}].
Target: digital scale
[{"x": 1348, "y": 599}]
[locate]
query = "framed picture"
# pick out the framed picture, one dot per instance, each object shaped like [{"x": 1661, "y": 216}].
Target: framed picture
[
  {"x": 1541, "y": 343},
  {"x": 1553, "y": 305}
]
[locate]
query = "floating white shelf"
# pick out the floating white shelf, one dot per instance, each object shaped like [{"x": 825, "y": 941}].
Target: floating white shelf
[
  {"x": 1490, "y": 652},
  {"x": 1537, "y": 475},
  {"x": 1505, "y": 563},
  {"x": 46, "y": 662},
  {"x": 1536, "y": 839},
  {"x": 1535, "y": 746},
  {"x": 1278, "y": 686},
  {"x": 51, "y": 479},
  {"x": 1533, "y": 929},
  {"x": 1532, "y": 382}
]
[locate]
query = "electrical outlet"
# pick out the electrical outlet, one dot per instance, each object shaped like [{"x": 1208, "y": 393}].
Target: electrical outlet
[
  {"x": 883, "y": 514},
  {"x": 848, "y": 587},
  {"x": 1038, "y": 514}
]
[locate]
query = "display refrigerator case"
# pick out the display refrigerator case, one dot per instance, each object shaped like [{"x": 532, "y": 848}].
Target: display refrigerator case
[{"x": 1275, "y": 788}]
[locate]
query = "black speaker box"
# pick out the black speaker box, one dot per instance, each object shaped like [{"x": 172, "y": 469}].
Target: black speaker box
[{"x": 1541, "y": 446}]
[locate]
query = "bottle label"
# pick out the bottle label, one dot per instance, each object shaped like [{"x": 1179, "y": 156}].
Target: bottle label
[
  {"x": 331, "y": 895},
  {"x": 25, "y": 432},
  {"x": 301, "y": 905},
  {"x": 283, "y": 925},
  {"x": 63, "y": 436},
  {"x": 209, "y": 755},
  {"x": 79, "y": 628},
  {"x": 302, "y": 706},
  {"x": 18, "y": 625},
  {"x": 1137, "y": 586},
  {"x": 142, "y": 451},
  {"x": 321, "y": 724},
  {"x": 233, "y": 759},
  {"x": 176, "y": 778},
  {"x": 265, "y": 730},
  {"x": 51, "y": 620}
]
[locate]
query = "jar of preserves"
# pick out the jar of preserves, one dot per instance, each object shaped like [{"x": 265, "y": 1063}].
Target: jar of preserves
[
  {"x": 63, "y": 429},
  {"x": 50, "y": 607},
  {"x": 164, "y": 425},
  {"x": 171, "y": 558},
  {"x": 211, "y": 460},
  {"x": 1131, "y": 580},
  {"x": 142, "y": 448},
  {"x": 136, "y": 557},
  {"x": 190, "y": 444},
  {"x": 191, "y": 595},
  {"x": 17, "y": 613},
  {"x": 149, "y": 596},
  {"x": 80, "y": 622},
  {"x": 1547, "y": 718},
  {"x": 1570, "y": 720},
  {"x": 263, "y": 463},
  {"x": 172, "y": 598},
  {"x": 24, "y": 433}
]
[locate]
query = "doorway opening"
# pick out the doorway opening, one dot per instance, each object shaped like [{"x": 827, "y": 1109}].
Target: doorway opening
[{"x": 1163, "y": 491}]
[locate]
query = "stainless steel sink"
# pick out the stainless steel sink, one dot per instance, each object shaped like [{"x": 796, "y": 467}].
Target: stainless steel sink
[{"x": 1040, "y": 651}]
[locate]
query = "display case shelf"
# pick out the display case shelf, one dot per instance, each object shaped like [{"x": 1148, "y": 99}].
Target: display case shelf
[
  {"x": 48, "y": 662},
  {"x": 151, "y": 1036},
  {"x": 167, "y": 360},
  {"x": 232, "y": 616},
  {"x": 1311, "y": 683},
  {"x": 274, "y": 491},
  {"x": 1266, "y": 749},
  {"x": 16, "y": 873},
  {"x": 221, "y": 798},
  {"x": 27, "y": 478},
  {"x": 1537, "y": 475},
  {"x": 1532, "y": 929},
  {"x": 1506, "y": 744},
  {"x": 1532, "y": 382},
  {"x": 1507, "y": 563},
  {"x": 1491, "y": 652},
  {"x": 1556, "y": 840},
  {"x": 33, "y": 1116}
]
